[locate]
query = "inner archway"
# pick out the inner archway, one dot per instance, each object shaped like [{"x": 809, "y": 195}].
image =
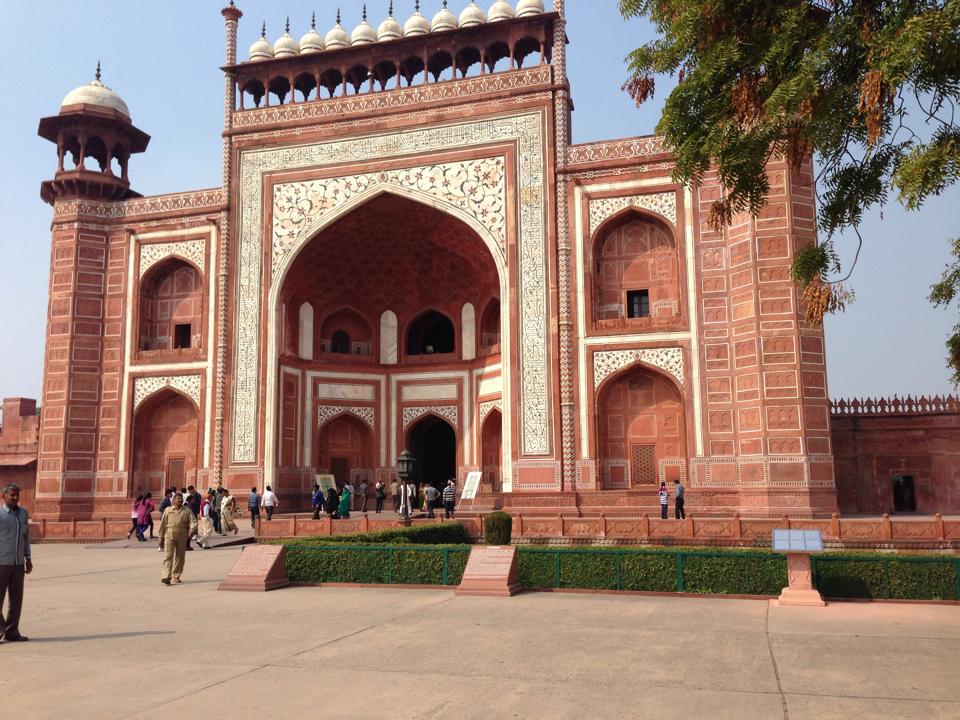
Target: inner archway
[
  {"x": 491, "y": 443},
  {"x": 640, "y": 429},
  {"x": 165, "y": 443},
  {"x": 345, "y": 449},
  {"x": 433, "y": 443}
]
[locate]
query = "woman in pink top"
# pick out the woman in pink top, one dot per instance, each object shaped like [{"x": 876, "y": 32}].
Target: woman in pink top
[
  {"x": 143, "y": 516},
  {"x": 134, "y": 516}
]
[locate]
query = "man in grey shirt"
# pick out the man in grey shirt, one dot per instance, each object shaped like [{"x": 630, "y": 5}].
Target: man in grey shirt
[
  {"x": 678, "y": 509},
  {"x": 15, "y": 561}
]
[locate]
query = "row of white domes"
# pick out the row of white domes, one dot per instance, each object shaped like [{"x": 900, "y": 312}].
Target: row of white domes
[{"x": 390, "y": 29}]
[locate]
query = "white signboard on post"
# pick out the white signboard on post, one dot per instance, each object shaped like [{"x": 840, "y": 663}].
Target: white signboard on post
[{"x": 471, "y": 485}]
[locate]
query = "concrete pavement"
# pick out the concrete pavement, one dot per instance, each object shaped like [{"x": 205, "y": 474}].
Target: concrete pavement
[{"x": 109, "y": 641}]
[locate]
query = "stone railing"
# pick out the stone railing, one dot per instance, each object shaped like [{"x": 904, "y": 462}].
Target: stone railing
[
  {"x": 913, "y": 533},
  {"x": 935, "y": 404}
]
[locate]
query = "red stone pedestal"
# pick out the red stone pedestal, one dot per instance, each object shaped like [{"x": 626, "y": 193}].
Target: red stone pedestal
[
  {"x": 259, "y": 568},
  {"x": 491, "y": 571},
  {"x": 800, "y": 590}
]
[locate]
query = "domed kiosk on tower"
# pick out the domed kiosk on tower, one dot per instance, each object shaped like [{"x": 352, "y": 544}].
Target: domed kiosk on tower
[{"x": 95, "y": 138}]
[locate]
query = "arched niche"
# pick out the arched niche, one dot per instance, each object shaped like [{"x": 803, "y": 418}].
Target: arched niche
[
  {"x": 491, "y": 449},
  {"x": 346, "y": 332},
  {"x": 431, "y": 333},
  {"x": 344, "y": 448},
  {"x": 641, "y": 427},
  {"x": 165, "y": 446},
  {"x": 170, "y": 308},
  {"x": 635, "y": 271},
  {"x": 433, "y": 442}
]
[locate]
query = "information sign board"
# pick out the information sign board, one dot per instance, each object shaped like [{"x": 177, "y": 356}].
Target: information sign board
[
  {"x": 327, "y": 482},
  {"x": 471, "y": 485},
  {"x": 797, "y": 541}
]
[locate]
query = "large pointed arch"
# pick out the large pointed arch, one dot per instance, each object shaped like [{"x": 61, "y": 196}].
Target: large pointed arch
[{"x": 293, "y": 250}]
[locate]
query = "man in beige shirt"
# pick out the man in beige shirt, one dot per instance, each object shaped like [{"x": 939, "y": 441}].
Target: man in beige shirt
[{"x": 176, "y": 526}]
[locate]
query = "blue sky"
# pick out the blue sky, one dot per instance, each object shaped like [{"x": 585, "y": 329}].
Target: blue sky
[{"x": 163, "y": 59}]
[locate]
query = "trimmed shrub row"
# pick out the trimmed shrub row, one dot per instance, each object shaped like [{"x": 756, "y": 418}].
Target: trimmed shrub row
[
  {"x": 887, "y": 578},
  {"x": 423, "y": 565},
  {"x": 448, "y": 533}
]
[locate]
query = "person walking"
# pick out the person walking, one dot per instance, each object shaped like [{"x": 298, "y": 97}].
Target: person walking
[
  {"x": 215, "y": 509},
  {"x": 664, "y": 500},
  {"x": 379, "y": 495},
  {"x": 678, "y": 510},
  {"x": 228, "y": 506},
  {"x": 15, "y": 562},
  {"x": 395, "y": 494},
  {"x": 430, "y": 495},
  {"x": 330, "y": 508},
  {"x": 344, "y": 508},
  {"x": 204, "y": 522},
  {"x": 449, "y": 500},
  {"x": 316, "y": 501},
  {"x": 133, "y": 517},
  {"x": 176, "y": 526},
  {"x": 193, "y": 500},
  {"x": 143, "y": 516},
  {"x": 253, "y": 505},
  {"x": 270, "y": 502},
  {"x": 362, "y": 494}
]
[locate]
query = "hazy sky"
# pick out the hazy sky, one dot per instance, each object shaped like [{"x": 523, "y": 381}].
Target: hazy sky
[{"x": 163, "y": 59}]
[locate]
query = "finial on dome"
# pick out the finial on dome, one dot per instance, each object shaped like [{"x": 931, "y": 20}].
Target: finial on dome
[
  {"x": 416, "y": 5},
  {"x": 390, "y": 9},
  {"x": 338, "y": 16},
  {"x": 364, "y": 12},
  {"x": 287, "y": 29},
  {"x": 444, "y": 4},
  {"x": 313, "y": 21},
  {"x": 263, "y": 30},
  {"x": 98, "y": 70}
]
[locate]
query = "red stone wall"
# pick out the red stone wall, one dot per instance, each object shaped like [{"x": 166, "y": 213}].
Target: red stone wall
[
  {"x": 18, "y": 447},
  {"x": 348, "y": 439},
  {"x": 870, "y": 450}
]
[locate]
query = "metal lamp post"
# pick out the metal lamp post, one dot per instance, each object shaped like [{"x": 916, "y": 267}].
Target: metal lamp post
[{"x": 404, "y": 468}]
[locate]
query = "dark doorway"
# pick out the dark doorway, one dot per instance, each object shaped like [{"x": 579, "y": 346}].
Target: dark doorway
[
  {"x": 181, "y": 336},
  {"x": 904, "y": 494},
  {"x": 434, "y": 445},
  {"x": 340, "y": 469},
  {"x": 431, "y": 333}
]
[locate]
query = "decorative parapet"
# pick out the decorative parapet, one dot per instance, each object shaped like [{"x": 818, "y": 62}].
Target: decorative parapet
[
  {"x": 637, "y": 148},
  {"x": 186, "y": 202},
  {"x": 933, "y": 405}
]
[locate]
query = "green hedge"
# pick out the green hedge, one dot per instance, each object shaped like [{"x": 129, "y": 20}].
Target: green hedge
[
  {"x": 405, "y": 565},
  {"x": 730, "y": 572},
  {"x": 447, "y": 533},
  {"x": 889, "y": 577}
]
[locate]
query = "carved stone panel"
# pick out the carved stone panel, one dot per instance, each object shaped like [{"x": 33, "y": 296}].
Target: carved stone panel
[
  {"x": 144, "y": 387},
  {"x": 192, "y": 250},
  {"x": 607, "y": 362},
  {"x": 663, "y": 204}
]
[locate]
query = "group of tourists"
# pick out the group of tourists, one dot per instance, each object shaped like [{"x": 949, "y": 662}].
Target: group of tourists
[
  {"x": 664, "y": 496},
  {"x": 336, "y": 504}
]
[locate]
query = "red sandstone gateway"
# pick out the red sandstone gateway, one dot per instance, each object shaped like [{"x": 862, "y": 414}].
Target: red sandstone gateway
[{"x": 407, "y": 252}]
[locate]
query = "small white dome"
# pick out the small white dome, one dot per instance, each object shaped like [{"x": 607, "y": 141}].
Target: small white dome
[
  {"x": 444, "y": 20},
  {"x": 337, "y": 37},
  {"x": 312, "y": 41},
  {"x": 261, "y": 49},
  {"x": 529, "y": 7},
  {"x": 96, "y": 93},
  {"x": 389, "y": 29},
  {"x": 363, "y": 34},
  {"x": 472, "y": 15},
  {"x": 501, "y": 10},
  {"x": 286, "y": 45},
  {"x": 417, "y": 24}
]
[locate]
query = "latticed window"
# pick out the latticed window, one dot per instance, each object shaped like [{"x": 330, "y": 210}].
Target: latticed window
[
  {"x": 176, "y": 472},
  {"x": 643, "y": 468},
  {"x": 638, "y": 303}
]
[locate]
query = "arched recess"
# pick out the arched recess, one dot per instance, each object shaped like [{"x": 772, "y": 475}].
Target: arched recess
[
  {"x": 491, "y": 449},
  {"x": 640, "y": 428},
  {"x": 170, "y": 308},
  {"x": 346, "y": 332},
  {"x": 490, "y": 327},
  {"x": 306, "y": 331},
  {"x": 634, "y": 271},
  {"x": 166, "y": 442},
  {"x": 330, "y": 218},
  {"x": 344, "y": 447},
  {"x": 433, "y": 442},
  {"x": 431, "y": 333}
]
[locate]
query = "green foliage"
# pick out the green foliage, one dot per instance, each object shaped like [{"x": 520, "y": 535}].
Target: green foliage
[
  {"x": 537, "y": 569},
  {"x": 649, "y": 572},
  {"x": 330, "y": 563},
  {"x": 867, "y": 86},
  {"x": 942, "y": 294},
  {"x": 854, "y": 576},
  {"x": 446, "y": 533},
  {"x": 497, "y": 528}
]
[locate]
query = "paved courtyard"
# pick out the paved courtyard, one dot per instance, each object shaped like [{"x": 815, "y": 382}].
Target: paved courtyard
[{"x": 109, "y": 641}]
